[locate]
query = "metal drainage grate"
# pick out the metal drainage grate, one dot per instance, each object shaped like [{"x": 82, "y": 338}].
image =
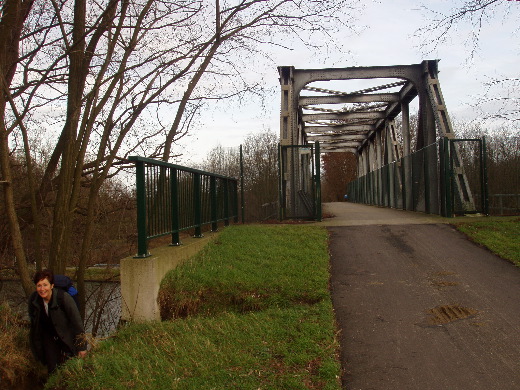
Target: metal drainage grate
[{"x": 449, "y": 313}]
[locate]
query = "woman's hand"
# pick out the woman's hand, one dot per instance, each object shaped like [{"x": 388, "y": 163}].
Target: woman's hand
[{"x": 82, "y": 354}]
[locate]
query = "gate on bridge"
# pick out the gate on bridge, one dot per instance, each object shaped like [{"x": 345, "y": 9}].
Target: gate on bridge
[
  {"x": 363, "y": 122},
  {"x": 304, "y": 194}
]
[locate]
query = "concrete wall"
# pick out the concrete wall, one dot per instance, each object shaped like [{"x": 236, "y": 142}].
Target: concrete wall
[{"x": 141, "y": 277}]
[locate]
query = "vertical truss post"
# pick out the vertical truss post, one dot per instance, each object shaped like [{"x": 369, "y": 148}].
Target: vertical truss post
[
  {"x": 290, "y": 134},
  {"x": 445, "y": 129}
]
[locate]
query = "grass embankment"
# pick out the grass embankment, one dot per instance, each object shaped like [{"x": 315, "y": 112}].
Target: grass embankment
[
  {"x": 500, "y": 235},
  {"x": 252, "y": 311}
]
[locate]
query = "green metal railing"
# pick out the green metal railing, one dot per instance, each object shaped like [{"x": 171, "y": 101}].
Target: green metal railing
[
  {"x": 172, "y": 198},
  {"x": 425, "y": 181}
]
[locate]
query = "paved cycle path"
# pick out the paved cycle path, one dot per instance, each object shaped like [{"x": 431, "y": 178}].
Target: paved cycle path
[{"x": 420, "y": 306}]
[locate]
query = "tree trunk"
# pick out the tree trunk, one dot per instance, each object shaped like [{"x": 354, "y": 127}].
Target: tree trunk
[
  {"x": 14, "y": 226},
  {"x": 14, "y": 14},
  {"x": 64, "y": 207}
]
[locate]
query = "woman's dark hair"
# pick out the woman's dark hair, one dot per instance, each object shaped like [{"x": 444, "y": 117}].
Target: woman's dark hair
[{"x": 45, "y": 274}]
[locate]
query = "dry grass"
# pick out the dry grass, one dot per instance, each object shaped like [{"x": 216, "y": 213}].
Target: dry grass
[
  {"x": 251, "y": 311},
  {"x": 17, "y": 365}
]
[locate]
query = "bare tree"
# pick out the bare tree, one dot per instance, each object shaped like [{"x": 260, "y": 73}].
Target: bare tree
[
  {"x": 339, "y": 169},
  {"x": 501, "y": 100},
  {"x": 443, "y": 25},
  {"x": 103, "y": 79},
  {"x": 13, "y": 16},
  {"x": 503, "y": 156},
  {"x": 260, "y": 169}
]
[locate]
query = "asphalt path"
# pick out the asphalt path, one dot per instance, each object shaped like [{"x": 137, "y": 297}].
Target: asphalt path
[{"x": 418, "y": 305}]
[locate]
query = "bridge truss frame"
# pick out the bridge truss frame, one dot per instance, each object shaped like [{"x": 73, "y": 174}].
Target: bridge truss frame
[{"x": 368, "y": 129}]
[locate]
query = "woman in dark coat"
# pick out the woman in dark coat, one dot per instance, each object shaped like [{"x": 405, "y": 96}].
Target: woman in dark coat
[{"x": 56, "y": 327}]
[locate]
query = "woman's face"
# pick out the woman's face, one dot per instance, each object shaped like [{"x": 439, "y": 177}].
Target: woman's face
[{"x": 44, "y": 289}]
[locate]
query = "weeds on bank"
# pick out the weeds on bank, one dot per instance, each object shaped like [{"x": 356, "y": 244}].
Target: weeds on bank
[
  {"x": 252, "y": 311},
  {"x": 17, "y": 365},
  {"x": 500, "y": 235},
  {"x": 272, "y": 349}
]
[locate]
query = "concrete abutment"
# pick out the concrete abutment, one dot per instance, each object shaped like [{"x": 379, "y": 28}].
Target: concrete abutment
[{"x": 141, "y": 277}]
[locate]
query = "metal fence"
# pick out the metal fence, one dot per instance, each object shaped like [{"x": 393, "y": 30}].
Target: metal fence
[
  {"x": 424, "y": 181},
  {"x": 504, "y": 204},
  {"x": 299, "y": 183},
  {"x": 172, "y": 198}
]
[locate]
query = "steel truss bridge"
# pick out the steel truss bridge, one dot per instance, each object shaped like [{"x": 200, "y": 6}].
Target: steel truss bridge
[{"x": 315, "y": 120}]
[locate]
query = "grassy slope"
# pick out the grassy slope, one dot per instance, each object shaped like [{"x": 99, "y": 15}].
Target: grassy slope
[
  {"x": 260, "y": 318},
  {"x": 500, "y": 235}
]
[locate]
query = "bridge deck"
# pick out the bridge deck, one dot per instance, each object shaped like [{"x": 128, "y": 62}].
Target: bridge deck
[
  {"x": 419, "y": 305},
  {"x": 354, "y": 214}
]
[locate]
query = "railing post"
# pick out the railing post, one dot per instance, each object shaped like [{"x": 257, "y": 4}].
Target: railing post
[
  {"x": 213, "y": 195},
  {"x": 226, "y": 203},
  {"x": 448, "y": 182},
  {"x": 242, "y": 201},
  {"x": 174, "y": 197},
  {"x": 394, "y": 177},
  {"x": 140, "y": 182},
  {"x": 235, "y": 202},
  {"x": 403, "y": 183},
  {"x": 281, "y": 214},
  {"x": 368, "y": 193},
  {"x": 427, "y": 184},
  {"x": 388, "y": 185},
  {"x": 197, "y": 206},
  {"x": 442, "y": 178},
  {"x": 483, "y": 165},
  {"x": 317, "y": 161}
]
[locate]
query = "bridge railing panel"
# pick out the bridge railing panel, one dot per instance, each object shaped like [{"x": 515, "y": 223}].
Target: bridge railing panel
[
  {"x": 425, "y": 180},
  {"x": 172, "y": 198}
]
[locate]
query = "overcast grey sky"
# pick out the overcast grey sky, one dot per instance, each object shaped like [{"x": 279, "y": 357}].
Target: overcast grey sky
[{"x": 386, "y": 36}]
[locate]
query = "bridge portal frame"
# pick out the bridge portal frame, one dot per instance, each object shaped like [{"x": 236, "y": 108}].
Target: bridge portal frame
[{"x": 372, "y": 138}]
